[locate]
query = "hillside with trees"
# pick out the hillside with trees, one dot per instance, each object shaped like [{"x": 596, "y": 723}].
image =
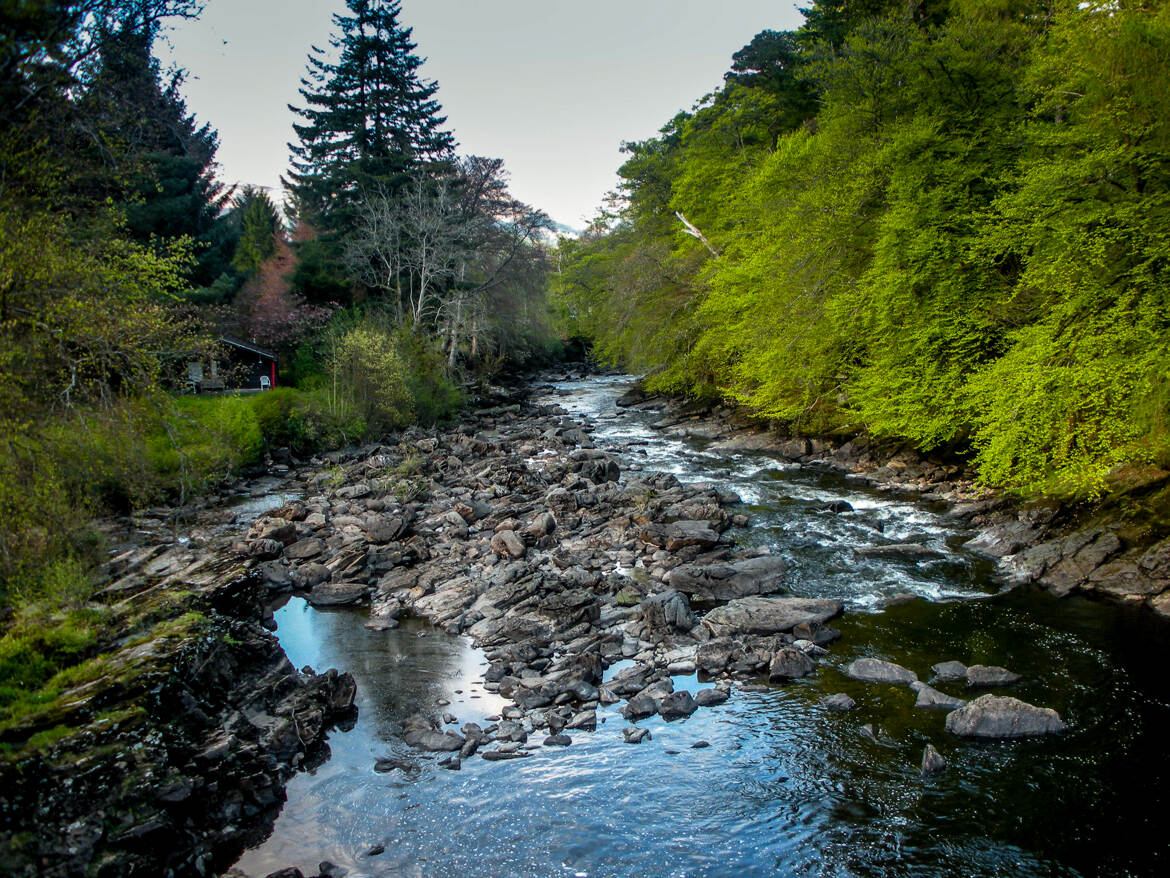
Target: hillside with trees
[
  {"x": 934, "y": 222},
  {"x": 400, "y": 275}
]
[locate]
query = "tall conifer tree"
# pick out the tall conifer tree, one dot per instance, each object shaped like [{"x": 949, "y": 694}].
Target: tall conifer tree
[{"x": 368, "y": 118}]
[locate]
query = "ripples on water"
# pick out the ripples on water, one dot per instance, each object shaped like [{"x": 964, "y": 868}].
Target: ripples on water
[{"x": 785, "y": 787}]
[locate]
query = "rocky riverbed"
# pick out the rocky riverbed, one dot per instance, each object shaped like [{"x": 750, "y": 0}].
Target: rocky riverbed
[{"x": 598, "y": 586}]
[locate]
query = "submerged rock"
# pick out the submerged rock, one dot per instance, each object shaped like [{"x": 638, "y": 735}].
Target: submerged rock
[
  {"x": 932, "y": 699},
  {"x": 948, "y": 672},
  {"x": 838, "y": 701},
  {"x": 635, "y": 735},
  {"x": 1000, "y": 716},
  {"x": 871, "y": 670}
]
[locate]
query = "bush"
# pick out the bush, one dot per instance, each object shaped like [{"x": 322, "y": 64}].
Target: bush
[{"x": 301, "y": 421}]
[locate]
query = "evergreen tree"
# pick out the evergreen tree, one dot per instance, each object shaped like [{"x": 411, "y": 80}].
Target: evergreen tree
[{"x": 369, "y": 119}]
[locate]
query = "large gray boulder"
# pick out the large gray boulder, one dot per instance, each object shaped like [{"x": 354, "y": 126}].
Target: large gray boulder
[
  {"x": 1000, "y": 716},
  {"x": 762, "y": 615},
  {"x": 790, "y": 664},
  {"x": 726, "y": 582},
  {"x": 871, "y": 670}
]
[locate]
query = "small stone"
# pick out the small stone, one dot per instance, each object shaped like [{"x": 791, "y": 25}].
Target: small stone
[
  {"x": 932, "y": 699},
  {"x": 635, "y": 735},
  {"x": 700, "y": 745},
  {"x": 558, "y": 740}
]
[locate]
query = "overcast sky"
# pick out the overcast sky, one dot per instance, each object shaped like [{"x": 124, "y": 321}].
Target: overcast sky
[{"x": 551, "y": 86}]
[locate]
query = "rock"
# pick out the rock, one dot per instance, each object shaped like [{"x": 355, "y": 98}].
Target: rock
[
  {"x": 838, "y": 701},
  {"x": 1000, "y": 716},
  {"x": 725, "y": 582},
  {"x": 762, "y": 615},
  {"x": 304, "y": 549},
  {"x": 680, "y": 535},
  {"x": 711, "y": 697},
  {"x": 586, "y": 720},
  {"x": 668, "y": 613},
  {"x": 635, "y": 735},
  {"x": 639, "y": 707},
  {"x": 714, "y": 656},
  {"x": 871, "y": 670},
  {"x": 932, "y": 761},
  {"x": 990, "y": 675},
  {"x": 700, "y": 745},
  {"x": 677, "y": 705},
  {"x": 500, "y": 755},
  {"x": 264, "y": 549},
  {"x": 306, "y": 576},
  {"x": 558, "y": 740},
  {"x": 949, "y": 672},
  {"x": 542, "y": 525},
  {"x": 790, "y": 663},
  {"x": 429, "y": 739},
  {"x": 286, "y": 873},
  {"x": 932, "y": 699},
  {"x": 336, "y": 594},
  {"x": 569, "y": 608},
  {"x": 508, "y": 544},
  {"x": 836, "y": 506}
]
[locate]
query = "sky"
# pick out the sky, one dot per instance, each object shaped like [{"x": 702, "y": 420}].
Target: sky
[{"x": 551, "y": 87}]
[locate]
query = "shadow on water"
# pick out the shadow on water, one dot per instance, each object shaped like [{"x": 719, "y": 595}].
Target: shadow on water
[{"x": 785, "y": 786}]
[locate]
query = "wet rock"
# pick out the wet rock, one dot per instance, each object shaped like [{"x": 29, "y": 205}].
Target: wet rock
[
  {"x": 501, "y": 755},
  {"x": 763, "y": 615},
  {"x": 725, "y": 582},
  {"x": 932, "y": 761},
  {"x": 668, "y": 613},
  {"x": 836, "y": 506},
  {"x": 949, "y": 672},
  {"x": 790, "y": 663},
  {"x": 710, "y": 697},
  {"x": 932, "y": 699},
  {"x": 586, "y": 721},
  {"x": 715, "y": 656},
  {"x": 990, "y": 675},
  {"x": 639, "y": 707},
  {"x": 677, "y": 705},
  {"x": 265, "y": 550},
  {"x": 871, "y": 670},
  {"x": 1000, "y": 716},
  {"x": 635, "y": 735},
  {"x": 838, "y": 701},
  {"x": 558, "y": 740},
  {"x": 700, "y": 745},
  {"x": 429, "y": 739},
  {"x": 572, "y": 607}
]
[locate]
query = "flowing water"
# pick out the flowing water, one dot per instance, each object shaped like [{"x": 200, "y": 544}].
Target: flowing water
[{"x": 785, "y": 787}]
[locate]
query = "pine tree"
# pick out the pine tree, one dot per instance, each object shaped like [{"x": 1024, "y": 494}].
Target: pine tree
[{"x": 369, "y": 119}]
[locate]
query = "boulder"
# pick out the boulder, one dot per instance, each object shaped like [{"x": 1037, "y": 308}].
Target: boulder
[
  {"x": 677, "y": 705},
  {"x": 871, "y": 670},
  {"x": 725, "y": 582},
  {"x": 306, "y": 576},
  {"x": 635, "y": 735},
  {"x": 714, "y": 656},
  {"x": 336, "y": 594},
  {"x": 790, "y": 663},
  {"x": 711, "y": 697},
  {"x": 838, "y": 701},
  {"x": 668, "y": 612},
  {"x": 680, "y": 535},
  {"x": 762, "y": 615},
  {"x": 1000, "y": 716},
  {"x": 932, "y": 761},
  {"x": 949, "y": 672},
  {"x": 429, "y": 739},
  {"x": 508, "y": 544},
  {"x": 306, "y": 548}
]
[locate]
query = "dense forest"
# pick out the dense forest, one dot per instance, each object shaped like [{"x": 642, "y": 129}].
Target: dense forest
[
  {"x": 397, "y": 275},
  {"x": 938, "y": 222}
]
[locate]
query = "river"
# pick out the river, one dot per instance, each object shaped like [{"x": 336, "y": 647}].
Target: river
[{"x": 785, "y": 786}]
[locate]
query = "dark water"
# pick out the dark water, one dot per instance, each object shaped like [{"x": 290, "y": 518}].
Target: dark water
[{"x": 786, "y": 787}]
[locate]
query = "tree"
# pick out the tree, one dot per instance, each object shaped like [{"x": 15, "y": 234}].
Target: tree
[
  {"x": 369, "y": 119},
  {"x": 259, "y": 230}
]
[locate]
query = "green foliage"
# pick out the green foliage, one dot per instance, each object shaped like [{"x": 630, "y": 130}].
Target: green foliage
[
  {"x": 967, "y": 247},
  {"x": 301, "y": 421}
]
